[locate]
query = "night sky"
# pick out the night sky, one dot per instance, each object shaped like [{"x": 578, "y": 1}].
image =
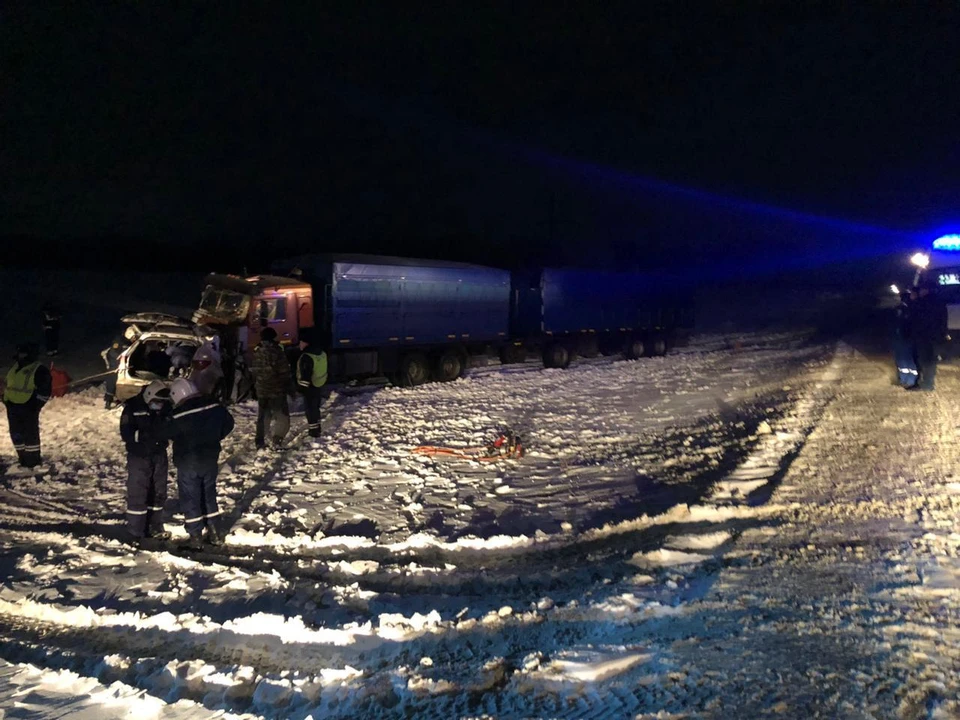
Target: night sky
[{"x": 669, "y": 133}]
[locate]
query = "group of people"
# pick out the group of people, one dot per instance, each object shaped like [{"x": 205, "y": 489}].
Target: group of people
[
  {"x": 921, "y": 328},
  {"x": 183, "y": 413}
]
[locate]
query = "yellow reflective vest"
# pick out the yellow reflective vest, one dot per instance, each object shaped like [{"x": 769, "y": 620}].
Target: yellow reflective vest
[
  {"x": 21, "y": 384},
  {"x": 319, "y": 376}
]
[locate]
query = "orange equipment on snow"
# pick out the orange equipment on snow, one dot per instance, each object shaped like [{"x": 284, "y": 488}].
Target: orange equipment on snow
[
  {"x": 59, "y": 381},
  {"x": 505, "y": 447}
]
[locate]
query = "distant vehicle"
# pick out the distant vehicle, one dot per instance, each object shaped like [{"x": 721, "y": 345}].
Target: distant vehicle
[
  {"x": 942, "y": 264},
  {"x": 420, "y": 320}
]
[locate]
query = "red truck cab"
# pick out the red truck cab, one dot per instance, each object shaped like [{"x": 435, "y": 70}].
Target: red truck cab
[{"x": 244, "y": 306}]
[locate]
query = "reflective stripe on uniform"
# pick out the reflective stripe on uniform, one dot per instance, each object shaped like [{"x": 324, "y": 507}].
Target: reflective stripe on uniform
[
  {"x": 136, "y": 512},
  {"x": 184, "y": 413},
  {"x": 193, "y": 520},
  {"x": 909, "y": 371}
]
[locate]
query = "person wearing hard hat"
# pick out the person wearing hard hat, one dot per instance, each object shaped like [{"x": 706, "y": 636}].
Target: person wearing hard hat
[
  {"x": 197, "y": 426},
  {"x": 26, "y": 391},
  {"x": 141, "y": 427}
]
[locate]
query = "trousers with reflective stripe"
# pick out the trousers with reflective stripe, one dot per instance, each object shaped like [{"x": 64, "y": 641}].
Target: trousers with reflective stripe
[
  {"x": 146, "y": 492},
  {"x": 24, "y": 421},
  {"x": 197, "y": 485}
]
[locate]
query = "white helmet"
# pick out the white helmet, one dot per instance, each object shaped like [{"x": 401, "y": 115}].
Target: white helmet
[
  {"x": 156, "y": 391},
  {"x": 131, "y": 333},
  {"x": 182, "y": 389}
]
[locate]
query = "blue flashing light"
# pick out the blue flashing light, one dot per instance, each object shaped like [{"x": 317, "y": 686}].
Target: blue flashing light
[{"x": 947, "y": 242}]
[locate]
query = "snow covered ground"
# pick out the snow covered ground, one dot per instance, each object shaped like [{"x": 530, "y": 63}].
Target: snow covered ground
[{"x": 755, "y": 526}]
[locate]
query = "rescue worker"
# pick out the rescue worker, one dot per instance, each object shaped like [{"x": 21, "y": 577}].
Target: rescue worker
[
  {"x": 141, "y": 427},
  {"x": 27, "y": 390},
  {"x": 311, "y": 377},
  {"x": 197, "y": 425},
  {"x": 928, "y": 328},
  {"x": 180, "y": 356},
  {"x": 273, "y": 381},
  {"x": 111, "y": 359},
  {"x": 206, "y": 371},
  {"x": 51, "y": 328},
  {"x": 903, "y": 346}
]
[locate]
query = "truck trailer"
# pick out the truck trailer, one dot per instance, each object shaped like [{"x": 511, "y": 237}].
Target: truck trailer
[{"x": 419, "y": 320}]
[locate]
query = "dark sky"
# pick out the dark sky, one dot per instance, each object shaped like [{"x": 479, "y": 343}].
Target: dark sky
[{"x": 569, "y": 133}]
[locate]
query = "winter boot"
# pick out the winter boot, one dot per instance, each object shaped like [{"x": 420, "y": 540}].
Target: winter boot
[
  {"x": 213, "y": 536},
  {"x": 194, "y": 542}
]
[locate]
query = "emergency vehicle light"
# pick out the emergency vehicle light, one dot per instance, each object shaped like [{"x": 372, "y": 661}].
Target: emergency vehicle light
[{"x": 947, "y": 242}]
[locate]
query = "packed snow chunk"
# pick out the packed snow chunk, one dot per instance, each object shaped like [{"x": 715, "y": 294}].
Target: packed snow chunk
[
  {"x": 706, "y": 541},
  {"x": 292, "y": 630},
  {"x": 764, "y": 428},
  {"x": 666, "y": 558},
  {"x": 394, "y": 626},
  {"x": 272, "y": 693}
]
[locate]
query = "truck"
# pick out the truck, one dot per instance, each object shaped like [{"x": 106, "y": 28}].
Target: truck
[{"x": 415, "y": 320}]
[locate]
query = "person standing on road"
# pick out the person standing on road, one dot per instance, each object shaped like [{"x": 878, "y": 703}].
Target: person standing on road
[
  {"x": 111, "y": 358},
  {"x": 904, "y": 352},
  {"x": 26, "y": 391},
  {"x": 928, "y": 326},
  {"x": 197, "y": 426},
  {"x": 141, "y": 427},
  {"x": 311, "y": 377},
  {"x": 51, "y": 328},
  {"x": 273, "y": 382}
]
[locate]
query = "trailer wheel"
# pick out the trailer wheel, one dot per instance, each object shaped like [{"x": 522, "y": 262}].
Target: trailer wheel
[
  {"x": 449, "y": 366},
  {"x": 658, "y": 347},
  {"x": 556, "y": 356},
  {"x": 636, "y": 349},
  {"x": 414, "y": 370}
]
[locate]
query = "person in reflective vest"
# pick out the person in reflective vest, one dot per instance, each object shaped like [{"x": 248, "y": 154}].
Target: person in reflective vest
[
  {"x": 311, "y": 377},
  {"x": 26, "y": 391}
]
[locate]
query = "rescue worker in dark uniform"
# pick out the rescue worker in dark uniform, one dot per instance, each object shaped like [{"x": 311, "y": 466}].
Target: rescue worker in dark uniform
[
  {"x": 311, "y": 377},
  {"x": 273, "y": 381},
  {"x": 928, "y": 327},
  {"x": 197, "y": 425},
  {"x": 903, "y": 349},
  {"x": 26, "y": 391},
  {"x": 111, "y": 358},
  {"x": 141, "y": 427},
  {"x": 51, "y": 328}
]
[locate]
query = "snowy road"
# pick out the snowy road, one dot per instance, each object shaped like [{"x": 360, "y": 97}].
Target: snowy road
[{"x": 742, "y": 529}]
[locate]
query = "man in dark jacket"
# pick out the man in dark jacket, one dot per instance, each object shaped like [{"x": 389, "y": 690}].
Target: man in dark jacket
[
  {"x": 273, "y": 381},
  {"x": 197, "y": 425},
  {"x": 141, "y": 427},
  {"x": 51, "y": 328},
  {"x": 311, "y": 377},
  {"x": 111, "y": 358},
  {"x": 26, "y": 391},
  {"x": 928, "y": 327}
]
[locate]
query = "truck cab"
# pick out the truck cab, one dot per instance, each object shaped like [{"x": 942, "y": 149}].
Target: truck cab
[{"x": 243, "y": 307}]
